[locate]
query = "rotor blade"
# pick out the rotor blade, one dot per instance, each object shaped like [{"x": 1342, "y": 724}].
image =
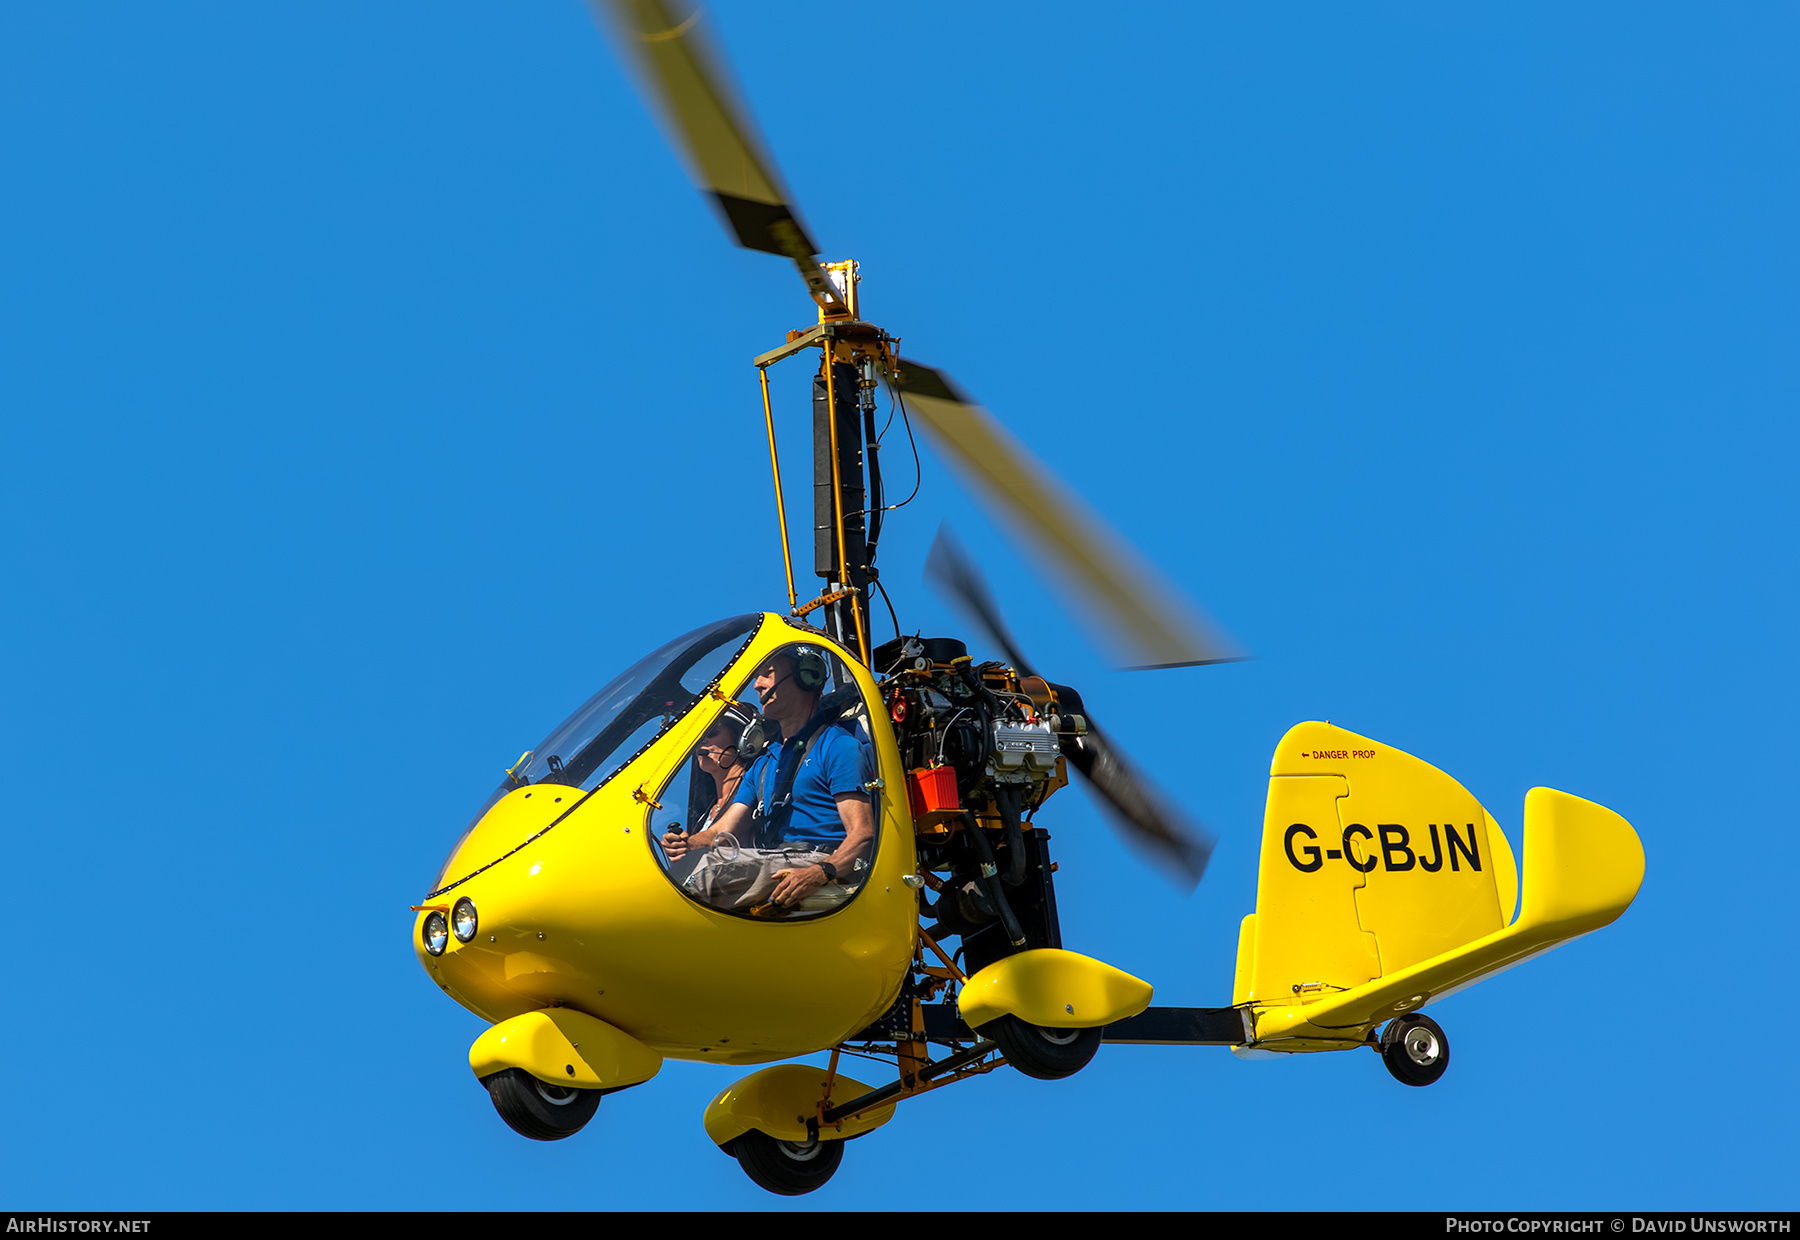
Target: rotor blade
[
  {"x": 1160, "y": 629},
  {"x": 1178, "y": 846},
  {"x": 665, "y": 41}
]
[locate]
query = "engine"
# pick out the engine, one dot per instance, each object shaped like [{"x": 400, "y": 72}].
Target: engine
[{"x": 983, "y": 749}]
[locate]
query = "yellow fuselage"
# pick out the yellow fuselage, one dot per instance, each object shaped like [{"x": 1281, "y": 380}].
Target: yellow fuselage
[{"x": 582, "y": 914}]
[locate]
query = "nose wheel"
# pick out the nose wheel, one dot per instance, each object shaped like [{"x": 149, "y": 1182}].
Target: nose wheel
[
  {"x": 789, "y": 1168},
  {"x": 1415, "y": 1049},
  {"x": 539, "y": 1109}
]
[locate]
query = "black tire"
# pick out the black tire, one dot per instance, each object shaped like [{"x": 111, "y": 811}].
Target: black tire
[
  {"x": 1415, "y": 1050},
  {"x": 1045, "y": 1054},
  {"x": 786, "y": 1167},
  {"x": 538, "y": 1109}
]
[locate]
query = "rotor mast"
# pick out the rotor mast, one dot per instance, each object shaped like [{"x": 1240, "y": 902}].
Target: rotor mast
[{"x": 847, "y": 511}]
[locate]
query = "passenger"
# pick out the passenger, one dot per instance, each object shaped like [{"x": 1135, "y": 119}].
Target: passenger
[
  {"x": 720, "y": 758},
  {"x": 814, "y": 840}
]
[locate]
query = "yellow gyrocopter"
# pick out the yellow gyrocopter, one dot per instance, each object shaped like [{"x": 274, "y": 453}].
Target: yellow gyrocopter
[{"x": 770, "y": 838}]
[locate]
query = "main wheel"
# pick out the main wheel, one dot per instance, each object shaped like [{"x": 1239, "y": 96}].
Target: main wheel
[
  {"x": 786, "y": 1167},
  {"x": 1046, "y": 1054},
  {"x": 1414, "y": 1049},
  {"x": 538, "y": 1109}
]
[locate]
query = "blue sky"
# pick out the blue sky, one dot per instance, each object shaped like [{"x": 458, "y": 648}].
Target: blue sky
[{"x": 375, "y": 386}]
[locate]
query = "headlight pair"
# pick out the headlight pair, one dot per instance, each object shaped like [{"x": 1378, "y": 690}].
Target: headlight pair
[{"x": 436, "y": 930}]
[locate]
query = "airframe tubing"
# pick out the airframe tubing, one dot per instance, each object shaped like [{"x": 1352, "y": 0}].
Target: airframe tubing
[
  {"x": 876, "y": 1097},
  {"x": 787, "y": 558}
]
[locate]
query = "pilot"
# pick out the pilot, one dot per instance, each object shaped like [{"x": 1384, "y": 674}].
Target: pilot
[{"x": 831, "y": 823}]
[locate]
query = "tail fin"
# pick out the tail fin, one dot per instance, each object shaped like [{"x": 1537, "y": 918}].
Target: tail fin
[{"x": 1381, "y": 873}]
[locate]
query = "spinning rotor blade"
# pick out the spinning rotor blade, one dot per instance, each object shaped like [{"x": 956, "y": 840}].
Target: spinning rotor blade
[
  {"x": 1178, "y": 846},
  {"x": 665, "y": 40},
  {"x": 725, "y": 158},
  {"x": 1159, "y": 629}
]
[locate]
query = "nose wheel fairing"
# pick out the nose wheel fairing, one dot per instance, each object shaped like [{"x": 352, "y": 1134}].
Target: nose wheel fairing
[{"x": 566, "y": 1048}]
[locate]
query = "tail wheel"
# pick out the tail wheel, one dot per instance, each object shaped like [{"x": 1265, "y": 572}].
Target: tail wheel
[
  {"x": 1415, "y": 1049},
  {"x": 539, "y": 1109},
  {"x": 786, "y": 1167},
  {"x": 1046, "y": 1054}
]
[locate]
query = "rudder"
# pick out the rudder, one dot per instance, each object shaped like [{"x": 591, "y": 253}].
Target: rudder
[{"x": 1372, "y": 861}]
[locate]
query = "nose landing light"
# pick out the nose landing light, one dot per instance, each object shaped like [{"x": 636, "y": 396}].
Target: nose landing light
[{"x": 436, "y": 932}]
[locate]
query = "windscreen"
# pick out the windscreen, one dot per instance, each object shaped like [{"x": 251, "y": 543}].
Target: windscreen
[{"x": 635, "y": 707}]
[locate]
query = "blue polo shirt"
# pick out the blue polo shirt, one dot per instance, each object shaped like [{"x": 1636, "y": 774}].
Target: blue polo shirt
[{"x": 836, "y": 762}]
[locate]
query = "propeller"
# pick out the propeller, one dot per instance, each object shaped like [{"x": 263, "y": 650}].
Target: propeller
[
  {"x": 1179, "y": 846},
  {"x": 667, "y": 41}
]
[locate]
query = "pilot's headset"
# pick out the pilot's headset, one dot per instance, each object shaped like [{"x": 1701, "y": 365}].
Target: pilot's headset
[
  {"x": 810, "y": 674},
  {"x": 809, "y": 669}
]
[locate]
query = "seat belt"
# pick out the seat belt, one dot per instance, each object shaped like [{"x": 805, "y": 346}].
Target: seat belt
[{"x": 779, "y": 808}]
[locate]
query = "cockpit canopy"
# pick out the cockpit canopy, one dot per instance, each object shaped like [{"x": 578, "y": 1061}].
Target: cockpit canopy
[
  {"x": 635, "y": 707},
  {"x": 759, "y": 817}
]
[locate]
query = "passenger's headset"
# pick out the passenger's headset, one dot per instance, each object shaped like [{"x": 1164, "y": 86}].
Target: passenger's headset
[{"x": 751, "y": 737}]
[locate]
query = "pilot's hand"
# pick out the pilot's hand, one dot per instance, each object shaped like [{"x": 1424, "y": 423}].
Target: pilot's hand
[
  {"x": 796, "y": 885},
  {"x": 675, "y": 844}
]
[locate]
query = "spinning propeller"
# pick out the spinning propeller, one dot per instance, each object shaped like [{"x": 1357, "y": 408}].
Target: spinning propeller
[
  {"x": 666, "y": 41},
  {"x": 1135, "y": 806}
]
